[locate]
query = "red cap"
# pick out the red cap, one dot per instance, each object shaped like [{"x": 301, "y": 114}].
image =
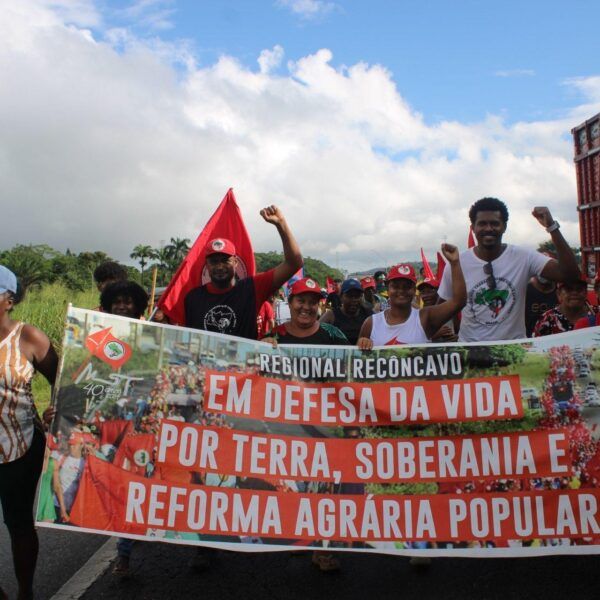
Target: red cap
[
  {"x": 403, "y": 271},
  {"x": 432, "y": 282},
  {"x": 220, "y": 246},
  {"x": 305, "y": 285},
  {"x": 76, "y": 437},
  {"x": 368, "y": 282}
]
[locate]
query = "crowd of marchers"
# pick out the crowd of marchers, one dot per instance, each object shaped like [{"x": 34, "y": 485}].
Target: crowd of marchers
[{"x": 492, "y": 291}]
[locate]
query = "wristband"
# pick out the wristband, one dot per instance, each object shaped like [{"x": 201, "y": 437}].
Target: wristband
[{"x": 553, "y": 227}]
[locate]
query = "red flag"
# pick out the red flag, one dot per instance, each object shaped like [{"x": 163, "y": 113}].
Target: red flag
[
  {"x": 441, "y": 265},
  {"x": 101, "y": 499},
  {"x": 471, "y": 241},
  {"x": 112, "y": 432},
  {"x": 135, "y": 452},
  {"x": 109, "y": 349},
  {"x": 227, "y": 223},
  {"x": 427, "y": 272},
  {"x": 331, "y": 285}
]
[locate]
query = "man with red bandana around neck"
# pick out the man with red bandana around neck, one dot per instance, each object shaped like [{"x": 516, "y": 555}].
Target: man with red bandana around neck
[
  {"x": 227, "y": 305},
  {"x": 497, "y": 274}
]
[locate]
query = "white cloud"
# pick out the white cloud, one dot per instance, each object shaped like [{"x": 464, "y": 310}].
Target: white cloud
[
  {"x": 269, "y": 60},
  {"x": 588, "y": 86},
  {"x": 515, "y": 73},
  {"x": 105, "y": 144},
  {"x": 307, "y": 9},
  {"x": 150, "y": 14},
  {"x": 82, "y": 13}
]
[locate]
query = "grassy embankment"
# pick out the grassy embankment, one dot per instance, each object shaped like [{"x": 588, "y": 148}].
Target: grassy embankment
[{"x": 46, "y": 308}]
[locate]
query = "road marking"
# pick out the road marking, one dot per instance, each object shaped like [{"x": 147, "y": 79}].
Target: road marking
[{"x": 89, "y": 572}]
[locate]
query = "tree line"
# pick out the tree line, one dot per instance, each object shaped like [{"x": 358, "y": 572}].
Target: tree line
[{"x": 39, "y": 264}]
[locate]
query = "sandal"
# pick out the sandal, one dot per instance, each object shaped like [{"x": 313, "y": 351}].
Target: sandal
[
  {"x": 121, "y": 568},
  {"x": 325, "y": 562}
]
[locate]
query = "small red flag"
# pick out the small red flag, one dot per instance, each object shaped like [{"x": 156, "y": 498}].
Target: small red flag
[
  {"x": 227, "y": 223},
  {"x": 441, "y": 265},
  {"x": 427, "y": 272},
  {"x": 331, "y": 285},
  {"x": 109, "y": 349},
  {"x": 471, "y": 241}
]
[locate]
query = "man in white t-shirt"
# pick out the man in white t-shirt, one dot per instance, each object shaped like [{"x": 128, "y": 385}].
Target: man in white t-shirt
[{"x": 496, "y": 274}]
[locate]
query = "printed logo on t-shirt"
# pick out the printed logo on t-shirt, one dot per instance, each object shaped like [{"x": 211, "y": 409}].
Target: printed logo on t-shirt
[
  {"x": 220, "y": 318},
  {"x": 490, "y": 307}
]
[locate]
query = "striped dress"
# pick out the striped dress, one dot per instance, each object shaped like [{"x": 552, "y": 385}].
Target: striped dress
[{"x": 17, "y": 411}]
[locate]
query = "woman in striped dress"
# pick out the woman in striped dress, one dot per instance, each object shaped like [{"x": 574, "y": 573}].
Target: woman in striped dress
[{"x": 23, "y": 350}]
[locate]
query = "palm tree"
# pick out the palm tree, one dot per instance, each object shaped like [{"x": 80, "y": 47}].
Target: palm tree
[
  {"x": 162, "y": 255},
  {"x": 142, "y": 253},
  {"x": 177, "y": 251}
]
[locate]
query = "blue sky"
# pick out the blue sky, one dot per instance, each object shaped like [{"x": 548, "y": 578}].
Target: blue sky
[
  {"x": 374, "y": 125},
  {"x": 452, "y": 60}
]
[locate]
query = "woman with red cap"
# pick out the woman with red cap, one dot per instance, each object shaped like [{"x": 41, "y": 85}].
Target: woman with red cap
[
  {"x": 304, "y": 328},
  {"x": 24, "y": 349},
  {"x": 402, "y": 323}
]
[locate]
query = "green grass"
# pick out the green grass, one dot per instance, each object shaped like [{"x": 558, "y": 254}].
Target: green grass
[
  {"x": 533, "y": 371},
  {"x": 46, "y": 308}
]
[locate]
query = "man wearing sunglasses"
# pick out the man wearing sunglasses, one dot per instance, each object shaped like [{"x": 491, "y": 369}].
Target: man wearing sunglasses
[{"x": 497, "y": 274}]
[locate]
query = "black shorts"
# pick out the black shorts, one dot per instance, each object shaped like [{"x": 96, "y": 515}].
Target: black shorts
[{"x": 18, "y": 482}]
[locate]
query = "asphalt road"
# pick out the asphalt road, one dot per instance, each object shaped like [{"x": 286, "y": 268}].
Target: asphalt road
[
  {"x": 62, "y": 553},
  {"x": 161, "y": 571}
]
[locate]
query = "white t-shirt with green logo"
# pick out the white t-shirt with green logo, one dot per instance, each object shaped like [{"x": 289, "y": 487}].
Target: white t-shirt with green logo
[{"x": 495, "y": 314}]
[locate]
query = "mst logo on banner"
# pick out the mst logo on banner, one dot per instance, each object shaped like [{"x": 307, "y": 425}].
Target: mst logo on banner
[{"x": 458, "y": 449}]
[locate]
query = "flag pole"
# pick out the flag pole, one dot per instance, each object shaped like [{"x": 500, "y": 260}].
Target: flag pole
[{"x": 153, "y": 290}]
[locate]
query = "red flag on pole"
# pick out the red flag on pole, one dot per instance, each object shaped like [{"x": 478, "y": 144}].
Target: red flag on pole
[
  {"x": 471, "y": 241},
  {"x": 331, "y": 285},
  {"x": 427, "y": 272},
  {"x": 441, "y": 265},
  {"x": 227, "y": 223}
]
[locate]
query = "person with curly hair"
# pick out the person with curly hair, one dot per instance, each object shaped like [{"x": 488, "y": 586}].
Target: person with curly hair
[{"x": 124, "y": 298}]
